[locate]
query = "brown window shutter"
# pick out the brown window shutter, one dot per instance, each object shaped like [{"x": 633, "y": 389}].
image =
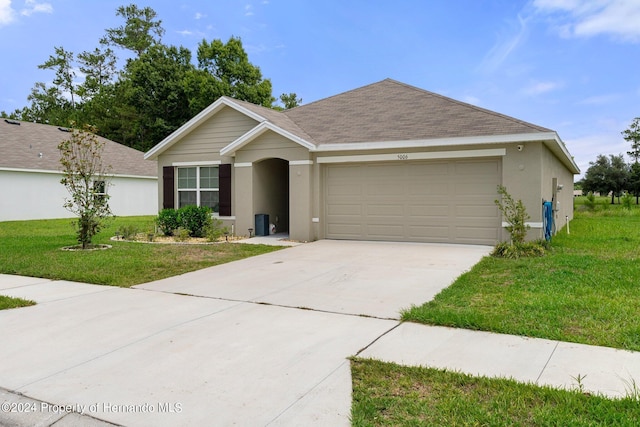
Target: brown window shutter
[
  {"x": 224, "y": 176},
  {"x": 168, "y": 187}
]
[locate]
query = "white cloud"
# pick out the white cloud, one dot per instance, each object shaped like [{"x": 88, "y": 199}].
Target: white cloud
[
  {"x": 7, "y": 14},
  {"x": 187, "y": 33},
  {"x": 586, "y": 18},
  {"x": 200, "y": 15},
  {"x": 600, "y": 99},
  {"x": 541, "y": 87},
  {"x": 248, "y": 10},
  {"x": 32, "y": 6},
  {"x": 505, "y": 46}
]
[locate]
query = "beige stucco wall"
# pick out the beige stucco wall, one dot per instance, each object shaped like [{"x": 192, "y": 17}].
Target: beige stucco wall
[
  {"x": 261, "y": 185},
  {"x": 521, "y": 175},
  {"x": 553, "y": 168},
  {"x": 528, "y": 175}
]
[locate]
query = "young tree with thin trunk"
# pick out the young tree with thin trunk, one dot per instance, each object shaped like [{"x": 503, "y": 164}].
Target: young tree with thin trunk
[{"x": 86, "y": 179}]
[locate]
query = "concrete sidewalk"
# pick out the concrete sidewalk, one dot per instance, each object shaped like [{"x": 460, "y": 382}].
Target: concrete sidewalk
[{"x": 602, "y": 370}]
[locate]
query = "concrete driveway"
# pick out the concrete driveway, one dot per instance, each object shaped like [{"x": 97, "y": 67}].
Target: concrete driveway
[{"x": 227, "y": 345}]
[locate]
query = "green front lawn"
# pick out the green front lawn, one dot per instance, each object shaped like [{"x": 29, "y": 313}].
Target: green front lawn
[
  {"x": 586, "y": 290},
  {"x": 385, "y": 394},
  {"x": 33, "y": 248}
]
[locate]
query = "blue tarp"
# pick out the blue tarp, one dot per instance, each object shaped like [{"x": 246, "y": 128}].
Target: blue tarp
[{"x": 547, "y": 216}]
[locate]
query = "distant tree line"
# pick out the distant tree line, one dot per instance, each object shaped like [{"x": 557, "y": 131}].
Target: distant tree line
[
  {"x": 158, "y": 89},
  {"x": 613, "y": 175}
]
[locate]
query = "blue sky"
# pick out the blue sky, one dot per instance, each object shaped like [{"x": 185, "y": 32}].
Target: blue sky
[{"x": 568, "y": 65}]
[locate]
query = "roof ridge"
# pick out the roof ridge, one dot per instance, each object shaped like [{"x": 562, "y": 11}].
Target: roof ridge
[{"x": 337, "y": 94}]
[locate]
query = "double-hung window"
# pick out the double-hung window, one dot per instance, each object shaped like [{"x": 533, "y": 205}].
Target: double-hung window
[{"x": 199, "y": 185}]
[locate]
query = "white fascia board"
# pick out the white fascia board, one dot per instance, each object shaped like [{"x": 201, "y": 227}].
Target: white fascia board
[
  {"x": 403, "y": 156},
  {"x": 439, "y": 142},
  {"x": 562, "y": 151},
  {"x": 203, "y": 163},
  {"x": 52, "y": 172},
  {"x": 259, "y": 130},
  {"x": 196, "y": 120}
]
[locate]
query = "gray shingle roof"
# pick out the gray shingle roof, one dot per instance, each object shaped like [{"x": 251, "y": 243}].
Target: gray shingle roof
[
  {"x": 35, "y": 146},
  {"x": 393, "y": 111},
  {"x": 277, "y": 118}
]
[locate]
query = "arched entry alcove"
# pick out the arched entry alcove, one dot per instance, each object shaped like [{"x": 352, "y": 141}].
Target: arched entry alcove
[{"x": 271, "y": 191}]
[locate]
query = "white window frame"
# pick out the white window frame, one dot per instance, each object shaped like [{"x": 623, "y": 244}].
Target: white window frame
[{"x": 197, "y": 188}]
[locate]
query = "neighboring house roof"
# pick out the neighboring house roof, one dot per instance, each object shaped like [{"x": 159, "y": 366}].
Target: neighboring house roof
[
  {"x": 386, "y": 114},
  {"x": 34, "y": 146}
]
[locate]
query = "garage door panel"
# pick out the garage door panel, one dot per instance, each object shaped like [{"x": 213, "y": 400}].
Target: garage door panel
[
  {"x": 384, "y": 189},
  {"x": 344, "y": 190},
  {"x": 469, "y": 211},
  {"x": 428, "y": 201},
  {"x": 416, "y": 170},
  {"x": 385, "y": 210},
  {"x": 345, "y": 209},
  {"x": 428, "y": 188},
  {"x": 428, "y": 211},
  {"x": 385, "y": 231}
]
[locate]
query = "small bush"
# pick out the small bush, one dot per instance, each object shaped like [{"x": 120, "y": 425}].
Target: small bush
[
  {"x": 519, "y": 250},
  {"x": 181, "y": 234},
  {"x": 167, "y": 221},
  {"x": 195, "y": 219},
  {"x": 514, "y": 213},
  {"x": 215, "y": 230},
  {"x": 627, "y": 201},
  {"x": 128, "y": 232},
  {"x": 590, "y": 202}
]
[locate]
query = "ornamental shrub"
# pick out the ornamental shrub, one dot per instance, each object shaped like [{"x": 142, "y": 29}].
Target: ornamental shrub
[
  {"x": 215, "y": 230},
  {"x": 515, "y": 214},
  {"x": 167, "y": 221},
  {"x": 195, "y": 219}
]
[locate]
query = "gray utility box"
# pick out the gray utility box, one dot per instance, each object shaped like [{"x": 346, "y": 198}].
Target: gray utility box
[{"x": 262, "y": 225}]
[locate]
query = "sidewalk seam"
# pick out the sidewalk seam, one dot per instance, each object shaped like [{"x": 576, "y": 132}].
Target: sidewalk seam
[
  {"x": 376, "y": 339},
  {"x": 547, "y": 362}
]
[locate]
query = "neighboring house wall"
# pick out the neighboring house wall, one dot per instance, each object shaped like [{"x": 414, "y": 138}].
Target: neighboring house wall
[
  {"x": 32, "y": 195},
  {"x": 40, "y": 195},
  {"x": 133, "y": 196}
]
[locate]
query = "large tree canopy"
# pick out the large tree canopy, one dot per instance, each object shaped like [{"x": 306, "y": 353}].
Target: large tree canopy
[{"x": 156, "y": 91}]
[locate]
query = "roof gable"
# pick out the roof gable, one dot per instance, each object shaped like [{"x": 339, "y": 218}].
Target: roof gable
[
  {"x": 198, "y": 119},
  {"x": 34, "y": 146}
]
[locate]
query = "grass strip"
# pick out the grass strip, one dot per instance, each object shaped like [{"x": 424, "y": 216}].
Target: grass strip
[{"x": 385, "y": 394}]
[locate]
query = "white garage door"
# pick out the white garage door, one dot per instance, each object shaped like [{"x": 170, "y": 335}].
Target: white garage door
[{"x": 427, "y": 201}]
